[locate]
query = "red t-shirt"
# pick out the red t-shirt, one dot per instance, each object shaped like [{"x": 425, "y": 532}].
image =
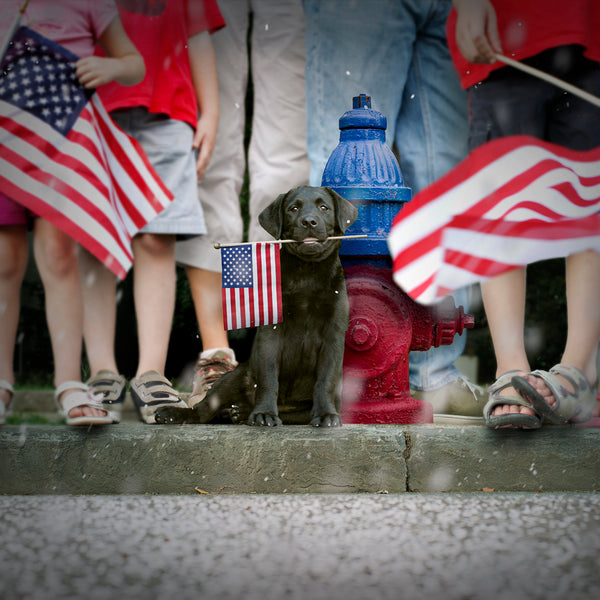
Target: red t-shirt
[
  {"x": 160, "y": 30},
  {"x": 528, "y": 27}
]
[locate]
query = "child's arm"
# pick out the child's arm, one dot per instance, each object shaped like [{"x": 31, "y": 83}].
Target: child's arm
[
  {"x": 204, "y": 78},
  {"x": 123, "y": 63}
]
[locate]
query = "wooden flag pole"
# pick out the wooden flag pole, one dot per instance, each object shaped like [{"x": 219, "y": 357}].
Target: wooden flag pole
[
  {"x": 335, "y": 237},
  {"x": 550, "y": 79}
]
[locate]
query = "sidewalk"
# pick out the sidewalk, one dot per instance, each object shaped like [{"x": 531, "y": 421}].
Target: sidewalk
[{"x": 134, "y": 458}]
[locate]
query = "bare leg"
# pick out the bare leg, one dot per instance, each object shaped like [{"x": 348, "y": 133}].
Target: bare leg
[
  {"x": 154, "y": 297},
  {"x": 583, "y": 318},
  {"x": 206, "y": 292},
  {"x": 504, "y": 303},
  {"x": 56, "y": 258},
  {"x": 98, "y": 286},
  {"x": 13, "y": 262}
]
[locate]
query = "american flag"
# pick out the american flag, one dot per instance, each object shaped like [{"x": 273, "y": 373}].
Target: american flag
[
  {"x": 511, "y": 202},
  {"x": 251, "y": 285},
  {"x": 62, "y": 156}
]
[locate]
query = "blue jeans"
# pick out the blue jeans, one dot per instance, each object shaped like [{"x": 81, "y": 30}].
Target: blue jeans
[{"x": 394, "y": 51}]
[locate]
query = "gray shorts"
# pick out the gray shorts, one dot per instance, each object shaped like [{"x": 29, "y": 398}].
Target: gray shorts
[{"x": 168, "y": 145}]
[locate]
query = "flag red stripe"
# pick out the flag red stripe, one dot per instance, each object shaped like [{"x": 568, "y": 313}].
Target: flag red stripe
[
  {"x": 122, "y": 157},
  {"x": 98, "y": 151},
  {"x": 54, "y": 185},
  {"x": 60, "y": 187},
  {"x": 476, "y": 264},
  {"x": 51, "y": 214},
  {"x": 519, "y": 191},
  {"x": 482, "y": 157},
  {"x": 532, "y": 229},
  {"x": 72, "y": 163}
]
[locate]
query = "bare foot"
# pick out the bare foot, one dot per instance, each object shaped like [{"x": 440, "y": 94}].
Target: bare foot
[{"x": 510, "y": 409}]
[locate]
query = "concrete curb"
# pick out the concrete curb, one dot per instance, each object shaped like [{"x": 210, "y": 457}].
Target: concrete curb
[{"x": 191, "y": 459}]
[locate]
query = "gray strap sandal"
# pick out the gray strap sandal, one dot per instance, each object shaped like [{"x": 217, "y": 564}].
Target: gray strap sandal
[
  {"x": 150, "y": 391},
  {"x": 574, "y": 406},
  {"x": 111, "y": 388},
  {"x": 514, "y": 420}
]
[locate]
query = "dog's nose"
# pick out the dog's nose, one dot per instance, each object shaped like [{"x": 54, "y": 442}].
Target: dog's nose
[{"x": 309, "y": 221}]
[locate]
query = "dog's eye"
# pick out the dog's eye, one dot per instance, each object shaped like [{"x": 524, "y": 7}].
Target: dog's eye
[
  {"x": 324, "y": 207},
  {"x": 293, "y": 209}
]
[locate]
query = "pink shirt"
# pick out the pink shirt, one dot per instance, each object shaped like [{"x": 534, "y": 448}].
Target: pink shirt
[{"x": 75, "y": 24}]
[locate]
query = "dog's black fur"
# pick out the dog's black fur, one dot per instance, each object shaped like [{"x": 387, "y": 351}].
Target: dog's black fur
[{"x": 295, "y": 367}]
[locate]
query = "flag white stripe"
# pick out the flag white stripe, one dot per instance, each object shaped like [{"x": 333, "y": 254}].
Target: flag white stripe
[
  {"x": 136, "y": 160},
  {"x": 274, "y": 302},
  {"x": 421, "y": 265},
  {"x": 75, "y": 213},
  {"x": 430, "y": 217}
]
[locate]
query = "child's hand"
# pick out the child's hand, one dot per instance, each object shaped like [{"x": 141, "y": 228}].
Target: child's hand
[
  {"x": 477, "y": 31},
  {"x": 204, "y": 142},
  {"x": 94, "y": 71}
]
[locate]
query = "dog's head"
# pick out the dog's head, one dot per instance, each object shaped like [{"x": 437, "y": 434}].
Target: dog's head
[{"x": 309, "y": 215}]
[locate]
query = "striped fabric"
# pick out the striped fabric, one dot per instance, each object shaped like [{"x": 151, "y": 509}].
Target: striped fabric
[
  {"x": 513, "y": 201},
  {"x": 63, "y": 158},
  {"x": 251, "y": 285}
]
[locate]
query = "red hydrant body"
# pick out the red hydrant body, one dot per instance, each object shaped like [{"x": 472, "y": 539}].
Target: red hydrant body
[{"x": 385, "y": 323}]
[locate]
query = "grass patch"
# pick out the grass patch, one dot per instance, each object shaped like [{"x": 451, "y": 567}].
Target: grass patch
[{"x": 27, "y": 418}]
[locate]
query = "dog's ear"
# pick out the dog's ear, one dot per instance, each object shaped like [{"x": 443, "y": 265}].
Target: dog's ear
[
  {"x": 345, "y": 211},
  {"x": 271, "y": 218}
]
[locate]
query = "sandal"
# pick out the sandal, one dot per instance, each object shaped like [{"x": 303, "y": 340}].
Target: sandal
[
  {"x": 514, "y": 420},
  {"x": 112, "y": 388},
  {"x": 82, "y": 397},
  {"x": 575, "y": 406},
  {"x": 150, "y": 391},
  {"x": 5, "y": 408}
]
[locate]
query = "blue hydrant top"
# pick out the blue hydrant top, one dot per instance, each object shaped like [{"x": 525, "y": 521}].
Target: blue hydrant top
[
  {"x": 364, "y": 170},
  {"x": 363, "y": 166},
  {"x": 362, "y": 116}
]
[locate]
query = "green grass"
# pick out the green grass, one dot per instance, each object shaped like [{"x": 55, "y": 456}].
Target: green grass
[{"x": 27, "y": 418}]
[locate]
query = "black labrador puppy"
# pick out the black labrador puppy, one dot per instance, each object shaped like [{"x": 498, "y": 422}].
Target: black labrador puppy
[{"x": 295, "y": 367}]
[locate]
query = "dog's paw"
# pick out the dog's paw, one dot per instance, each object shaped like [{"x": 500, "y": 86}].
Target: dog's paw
[
  {"x": 239, "y": 413},
  {"x": 263, "y": 419},
  {"x": 328, "y": 420},
  {"x": 171, "y": 415}
]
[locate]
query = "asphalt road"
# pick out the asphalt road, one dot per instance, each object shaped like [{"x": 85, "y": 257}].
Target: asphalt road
[{"x": 355, "y": 546}]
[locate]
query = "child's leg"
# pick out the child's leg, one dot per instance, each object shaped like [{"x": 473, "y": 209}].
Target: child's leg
[
  {"x": 154, "y": 284},
  {"x": 206, "y": 290},
  {"x": 504, "y": 303},
  {"x": 56, "y": 259},
  {"x": 583, "y": 320},
  {"x": 98, "y": 286},
  {"x": 13, "y": 262}
]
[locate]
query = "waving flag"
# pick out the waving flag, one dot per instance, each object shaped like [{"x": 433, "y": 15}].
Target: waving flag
[
  {"x": 511, "y": 202},
  {"x": 251, "y": 285},
  {"x": 62, "y": 157}
]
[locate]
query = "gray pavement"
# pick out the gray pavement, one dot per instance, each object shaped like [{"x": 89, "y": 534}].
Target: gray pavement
[{"x": 301, "y": 546}]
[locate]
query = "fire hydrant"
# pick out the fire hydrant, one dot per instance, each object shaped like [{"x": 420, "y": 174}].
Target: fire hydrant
[{"x": 385, "y": 323}]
